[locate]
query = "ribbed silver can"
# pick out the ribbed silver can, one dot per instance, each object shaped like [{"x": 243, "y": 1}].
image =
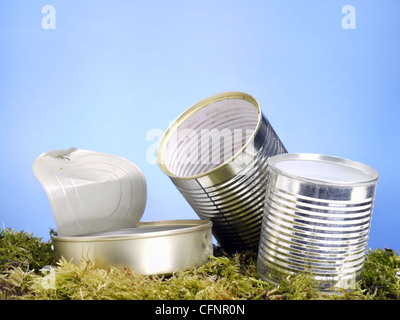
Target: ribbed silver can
[
  {"x": 317, "y": 219},
  {"x": 216, "y": 155}
]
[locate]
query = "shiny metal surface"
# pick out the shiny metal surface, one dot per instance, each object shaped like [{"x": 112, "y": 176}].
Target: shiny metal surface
[
  {"x": 231, "y": 192},
  {"x": 91, "y": 191},
  {"x": 157, "y": 247},
  {"x": 317, "y": 225}
]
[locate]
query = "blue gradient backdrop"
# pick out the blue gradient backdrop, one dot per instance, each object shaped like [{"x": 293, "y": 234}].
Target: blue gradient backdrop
[{"x": 112, "y": 72}]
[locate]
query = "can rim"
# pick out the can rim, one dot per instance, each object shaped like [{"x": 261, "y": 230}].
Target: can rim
[
  {"x": 272, "y": 161},
  {"x": 191, "y": 110},
  {"x": 189, "y": 226}
]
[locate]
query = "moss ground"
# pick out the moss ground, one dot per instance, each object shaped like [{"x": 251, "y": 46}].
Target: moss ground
[{"x": 28, "y": 272}]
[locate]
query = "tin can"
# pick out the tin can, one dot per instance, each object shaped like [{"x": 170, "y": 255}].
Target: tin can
[
  {"x": 216, "y": 155},
  {"x": 317, "y": 219},
  {"x": 154, "y": 247}
]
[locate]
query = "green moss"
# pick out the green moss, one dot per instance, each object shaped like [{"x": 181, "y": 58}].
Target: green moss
[
  {"x": 28, "y": 272},
  {"x": 24, "y": 250},
  {"x": 382, "y": 274}
]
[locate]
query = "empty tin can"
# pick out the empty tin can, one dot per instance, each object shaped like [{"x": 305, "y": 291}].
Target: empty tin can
[
  {"x": 156, "y": 247},
  {"x": 216, "y": 155},
  {"x": 317, "y": 219}
]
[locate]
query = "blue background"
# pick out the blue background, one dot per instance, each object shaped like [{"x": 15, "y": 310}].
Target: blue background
[{"x": 113, "y": 74}]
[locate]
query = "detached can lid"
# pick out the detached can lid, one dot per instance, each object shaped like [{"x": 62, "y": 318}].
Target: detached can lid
[{"x": 91, "y": 191}]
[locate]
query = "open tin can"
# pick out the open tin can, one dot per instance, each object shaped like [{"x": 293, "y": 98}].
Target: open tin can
[
  {"x": 156, "y": 247},
  {"x": 216, "y": 155},
  {"x": 317, "y": 219}
]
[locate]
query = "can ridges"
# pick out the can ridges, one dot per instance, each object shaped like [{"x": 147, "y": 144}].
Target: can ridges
[
  {"x": 298, "y": 227},
  {"x": 233, "y": 204},
  {"x": 316, "y": 263},
  {"x": 312, "y": 222},
  {"x": 328, "y": 270},
  {"x": 232, "y": 193},
  {"x": 308, "y": 248},
  {"x": 299, "y": 198},
  {"x": 289, "y": 257},
  {"x": 314, "y": 227},
  {"x": 250, "y": 173},
  {"x": 332, "y": 273},
  {"x": 326, "y": 215},
  {"x": 320, "y": 226},
  {"x": 315, "y": 240}
]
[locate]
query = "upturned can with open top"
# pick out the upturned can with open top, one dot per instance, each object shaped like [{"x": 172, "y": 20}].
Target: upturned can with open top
[{"x": 216, "y": 155}]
